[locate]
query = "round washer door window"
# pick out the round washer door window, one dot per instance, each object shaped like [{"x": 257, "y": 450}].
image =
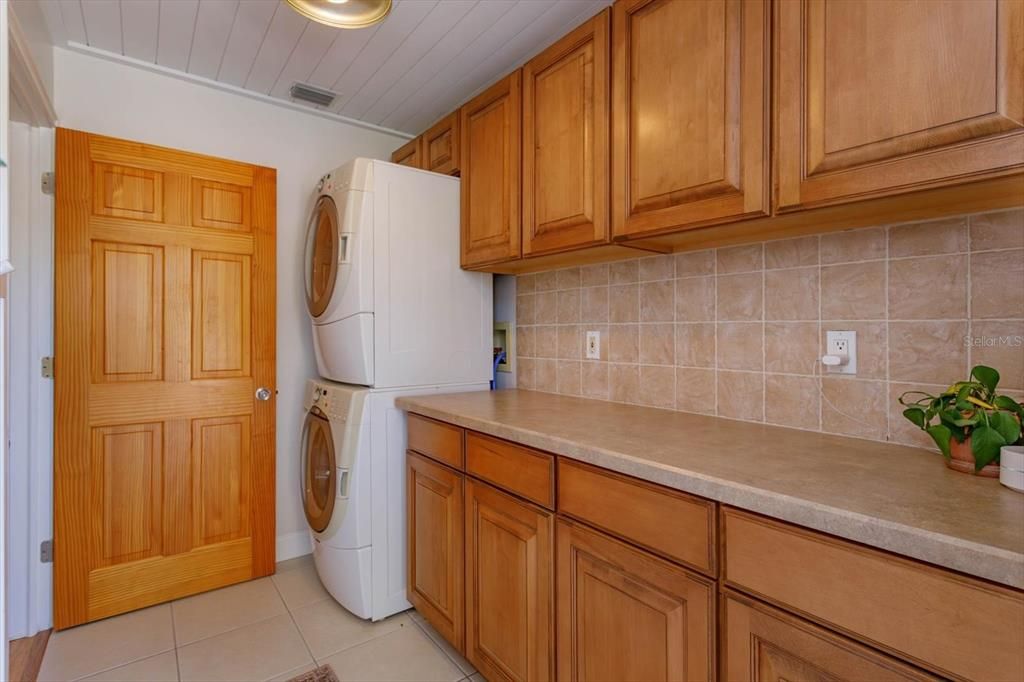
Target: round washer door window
[
  {"x": 318, "y": 471},
  {"x": 321, "y": 256}
]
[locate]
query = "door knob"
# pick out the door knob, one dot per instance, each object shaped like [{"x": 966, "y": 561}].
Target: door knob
[{"x": 262, "y": 393}]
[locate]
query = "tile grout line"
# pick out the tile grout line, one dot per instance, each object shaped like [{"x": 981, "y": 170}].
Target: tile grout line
[
  {"x": 288, "y": 610},
  {"x": 174, "y": 629}
]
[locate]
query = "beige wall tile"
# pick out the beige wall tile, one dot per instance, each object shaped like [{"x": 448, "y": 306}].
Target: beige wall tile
[
  {"x": 900, "y": 429},
  {"x": 695, "y": 299},
  {"x": 740, "y": 258},
  {"x": 1000, "y": 344},
  {"x": 525, "y": 337},
  {"x": 934, "y": 352},
  {"x": 568, "y": 278},
  {"x": 930, "y": 238},
  {"x": 791, "y": 294},
  {"x": 695, "y": 344},
  {"x": 853, "y": 292},
  {"x": 624, "y": 383},
  {"x": 569, "y": 373},
  {"x": 694, "y": 263},
  {"x": 932, "y": 288},
  {"x": 739, "y": 345},
  {"x": 545, "y": 341},
  {"x": 741, "y": 395},
  {"x": 855, "y": 408},
  {"x": 658, "y": 386},
  {"x": 853, "y": 245},
  {"x": 997, "y": 284},
  {"x": 791, "y": 347},
  {"x": 623, "y": 272},
  {"x": 547, "y": 281},
  {"x": 624, "y": 343},
  {"x": 695, "y": 390},
  {"x": 624, "y": 303},
  {"x": 656, "y": 267},
  {"x": 594, "y": 275},
  {"x": 526, "y": 284},
  {"x": 594, "y": 380},
  {"x": 657, "y": 344},
  {"x": 740, "y": 297},
  {"x": 569, "y": 306},
  {"x": 792, "y": 401},
  {"x": 1003, "y": 230},
  {"x": 570, "y": 342},
  {"x": 872, "y": 346},
  {"x": 657, "y": 301},
  {"x": 526, "y": 373},
  {"x": 594, "y": 304},
  {"x": 525, "y": 308},
  {"x": 546, "y": 376},
  {"x": 791, "y": 253},
  {"x": 545, "y": 307}
]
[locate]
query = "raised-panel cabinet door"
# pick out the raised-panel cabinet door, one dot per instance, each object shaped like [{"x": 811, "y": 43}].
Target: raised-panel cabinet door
[
  {"x": 491, "y": 126},
  {"x": 510, "y": 614},
  {"x": 409, "y": 154},
  {"x": 441, "y": 146},
  {"x": 435, "y": 545},
  {"x": 879, "y": 98},
  {"x": 624, "y": 614},
  {"x": 762, "y": 644},
  {"x": 565, "y": 141},
  {"x": 689, "y": 114}
]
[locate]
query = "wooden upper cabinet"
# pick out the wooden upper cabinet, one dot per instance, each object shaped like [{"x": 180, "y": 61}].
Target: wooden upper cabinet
[
  {"x": 491, "y": 126},
  {"x": 878, "y": 98},
  {"x": 409, "y": 154},
  {"x": 689, "y": 114},
  {"x": 565, "y": 141},
  {"x": 440, "y": 147}
]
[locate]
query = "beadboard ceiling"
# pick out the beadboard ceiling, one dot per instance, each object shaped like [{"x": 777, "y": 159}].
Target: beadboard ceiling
[{"x": 424, "y": 60}]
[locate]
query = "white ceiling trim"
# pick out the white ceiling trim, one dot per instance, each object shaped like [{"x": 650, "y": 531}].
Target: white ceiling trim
[{"x": 227, "y": 87}]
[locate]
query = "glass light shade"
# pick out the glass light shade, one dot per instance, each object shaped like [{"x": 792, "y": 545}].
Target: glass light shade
[{"x": 343, "y": 13}]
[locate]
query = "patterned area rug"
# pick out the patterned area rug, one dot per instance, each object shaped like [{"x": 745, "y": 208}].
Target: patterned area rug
[{"x": 322, "y": 674}]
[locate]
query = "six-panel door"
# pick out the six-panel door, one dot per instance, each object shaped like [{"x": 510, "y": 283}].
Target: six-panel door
[
  {"x": 164, "y": 329},
  {"x": 509, "y": 586}
]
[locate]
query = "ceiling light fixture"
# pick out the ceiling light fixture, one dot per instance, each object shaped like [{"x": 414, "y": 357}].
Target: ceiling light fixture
[{"x": 343, "y": 13}]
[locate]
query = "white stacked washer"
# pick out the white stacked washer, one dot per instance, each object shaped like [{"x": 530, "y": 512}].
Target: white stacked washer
[{"x": 393, "y": 314}]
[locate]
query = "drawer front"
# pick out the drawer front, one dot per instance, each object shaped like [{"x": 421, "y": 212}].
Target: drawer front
[
  {"x": 525, "y": 472},
  {"x": 939, "y": 620},
  {"x": 436, "y": 440},
  {"x": 671, "y": 523}
]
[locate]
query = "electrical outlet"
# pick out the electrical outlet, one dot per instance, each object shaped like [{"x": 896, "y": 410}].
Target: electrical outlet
[
  {"x": 593, "y": 347},
  {"x": 843, "y": 345}
]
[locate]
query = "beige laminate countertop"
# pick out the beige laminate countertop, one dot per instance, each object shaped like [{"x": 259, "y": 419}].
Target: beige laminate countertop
[{"x": 892, "y": 497}]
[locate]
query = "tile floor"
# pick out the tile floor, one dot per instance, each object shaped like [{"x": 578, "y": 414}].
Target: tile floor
[{"x": 269, "y": 629}]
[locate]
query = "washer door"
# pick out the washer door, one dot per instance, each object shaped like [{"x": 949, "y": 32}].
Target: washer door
[
  {"x": 321, "y": 255},
  {"x": 318, "y": 470}
]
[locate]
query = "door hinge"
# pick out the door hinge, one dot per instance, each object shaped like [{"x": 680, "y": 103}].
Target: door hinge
[
  {"x": 46, "y": 551},
  {"x": 47, "y": 368},
  {"x": 48, "y": 183}
]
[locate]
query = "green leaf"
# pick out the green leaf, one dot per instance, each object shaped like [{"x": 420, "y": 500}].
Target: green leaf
[
  {"x": 1005, "y": 402},
  {"x": 916, "y": 415},
  {"x": 985, "y": 444},
  {"x": 1007, "y": 426},
  {"x": 941, "y": 435},
  {"x": 988, "y": 377}
]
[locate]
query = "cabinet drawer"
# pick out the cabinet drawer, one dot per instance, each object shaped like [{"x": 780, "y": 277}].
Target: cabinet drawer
[
  {"x": 435, "y": 439},
  {"x": 525, "y": 472},
  {"x": 937, "y": 619},
  {"x": 666, "y": 521}
]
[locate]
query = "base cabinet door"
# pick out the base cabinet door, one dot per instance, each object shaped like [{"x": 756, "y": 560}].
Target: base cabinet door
[
  {"x": 762, "y": 644},
  {"x": 624, "y": 614},
  {"x": 435, "y": 545},
  {"x": 509, "y": 586}
]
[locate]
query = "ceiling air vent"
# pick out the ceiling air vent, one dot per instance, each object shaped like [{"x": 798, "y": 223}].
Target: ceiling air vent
[{"x": 312, "y": 94}]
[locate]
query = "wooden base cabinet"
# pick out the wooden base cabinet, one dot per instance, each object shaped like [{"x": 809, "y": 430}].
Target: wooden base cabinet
[
  {"x": 510, "y": 618},
  {"x": 436, "y": 586},
  {"x": 626, "y": 615}
]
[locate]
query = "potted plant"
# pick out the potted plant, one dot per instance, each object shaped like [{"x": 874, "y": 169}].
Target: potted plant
[{"x": 969, "y": 421}]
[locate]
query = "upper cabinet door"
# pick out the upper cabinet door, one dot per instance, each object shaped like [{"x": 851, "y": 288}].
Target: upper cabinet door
[
  {"x": 409, "y": 154},
  {"x": 441, "y": 146},
  {"x": 491, "y": 129},
  {"x": 878, "y": 98},
  {"x": 565, "y": 142},
  {"x": 689, "y": 113}
]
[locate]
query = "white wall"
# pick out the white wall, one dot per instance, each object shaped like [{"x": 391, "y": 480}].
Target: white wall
[{"x": 100, "y": 96}]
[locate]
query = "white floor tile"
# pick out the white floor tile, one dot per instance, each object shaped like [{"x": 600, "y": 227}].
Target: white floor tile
[
  {"x": 328, "y": 628},
  {"x": 292, "y": 564},
  {"x": 260, "y": 651},
  {"x": 404, "y": 655},
  {"x": 212, "y": 613},
  {"x": 458, "y": 659},
  {"x": 300, "y": 586},
  {"x": 160, "y": 668}
]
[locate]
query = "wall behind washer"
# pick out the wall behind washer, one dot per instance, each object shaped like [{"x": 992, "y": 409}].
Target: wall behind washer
[{"x": 100, "y": 96}]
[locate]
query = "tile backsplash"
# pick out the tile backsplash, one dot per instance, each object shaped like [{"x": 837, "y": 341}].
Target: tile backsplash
[{"x": 739, "y": 331}]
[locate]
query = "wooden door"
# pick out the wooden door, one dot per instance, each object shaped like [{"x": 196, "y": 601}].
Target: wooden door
[
  {"x": 491, "y": 127},
  {"x": 441, "y": 146},
  {"x": 762, "y": 644},
  {"x": 565, "y": 141},
  {"x": 435, "y": 549},
  {"x": 879, "y": 98},
  {"x": 510, "y": 617},
  {"x": 626, "y": 615},
  {"x": 165, "y": 305},
  {"x": 409, "y": 154},
  {"x": 689, "y": 113}
]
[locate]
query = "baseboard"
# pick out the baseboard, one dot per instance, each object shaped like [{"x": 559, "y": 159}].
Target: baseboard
[{"x": 291, "y": 545}]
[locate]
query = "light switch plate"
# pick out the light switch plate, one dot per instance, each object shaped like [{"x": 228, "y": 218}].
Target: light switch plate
[{"x": 593, "y": 347}]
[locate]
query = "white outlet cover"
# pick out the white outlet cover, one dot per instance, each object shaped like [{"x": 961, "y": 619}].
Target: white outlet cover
[
  {"x": 592, "y": 349},
  {"x": 833, "y": 344}
]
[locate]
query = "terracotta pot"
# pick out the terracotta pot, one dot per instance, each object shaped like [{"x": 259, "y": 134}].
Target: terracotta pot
[{"x": 962, "y": 460}]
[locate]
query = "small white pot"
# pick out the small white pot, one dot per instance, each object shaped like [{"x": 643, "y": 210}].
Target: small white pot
[{"x": 1011, "y": 467}]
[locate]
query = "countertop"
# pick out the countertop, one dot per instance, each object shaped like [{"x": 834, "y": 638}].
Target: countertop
[{"x": 892, "y": 497}]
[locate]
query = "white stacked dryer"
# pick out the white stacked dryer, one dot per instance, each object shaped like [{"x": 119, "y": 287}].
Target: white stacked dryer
[{"x": 393, "y": 314}]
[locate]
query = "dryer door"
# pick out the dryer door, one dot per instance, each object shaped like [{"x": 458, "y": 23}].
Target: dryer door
[
  {"x": 321, "y": 255},
  {"x": 318, "y": 470}
]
